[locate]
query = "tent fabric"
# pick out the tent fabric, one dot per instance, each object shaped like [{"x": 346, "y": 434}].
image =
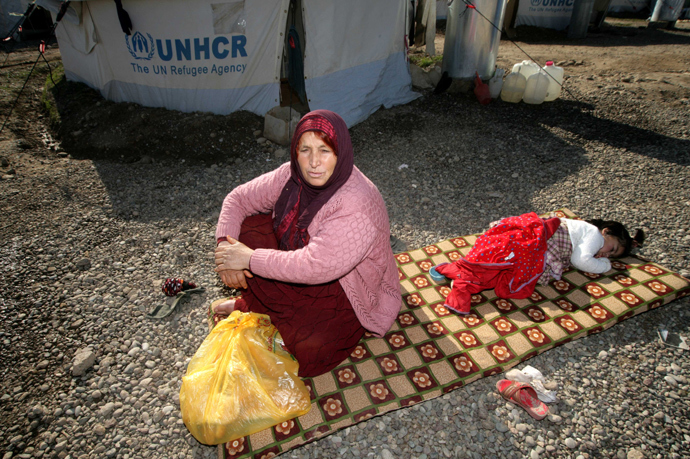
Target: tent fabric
[
  {"x": 225, "y": 57},
  {"x": 629, "y": 6},
  {"x": 353, "y": 65},
  {"x": 78, "y": 30},
  {"x": 550, "y": 14},
  {"x": 425, "y": 25},
  {"x": 175, "y": 57},
  {"x": 73, "y": 13}
]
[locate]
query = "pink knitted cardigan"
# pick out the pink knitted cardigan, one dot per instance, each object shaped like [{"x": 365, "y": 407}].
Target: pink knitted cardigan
[{"x": 349, "y": 240}]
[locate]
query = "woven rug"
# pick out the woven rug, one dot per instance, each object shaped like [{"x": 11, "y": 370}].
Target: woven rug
[{"x": 430, "y": 351}]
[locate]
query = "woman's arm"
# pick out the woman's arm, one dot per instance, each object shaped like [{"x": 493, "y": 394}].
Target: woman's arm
[
  {"x": 339, "y": 245},
  {"x": 256, "y": 196},
  {"x": 233, "y": 278}
]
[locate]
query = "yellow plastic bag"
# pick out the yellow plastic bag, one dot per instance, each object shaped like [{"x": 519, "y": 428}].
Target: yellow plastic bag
[{"x": 241, "y": 381}]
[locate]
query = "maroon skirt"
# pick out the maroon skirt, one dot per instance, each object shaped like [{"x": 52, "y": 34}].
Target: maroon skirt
[{"x": 317, "y": 322}]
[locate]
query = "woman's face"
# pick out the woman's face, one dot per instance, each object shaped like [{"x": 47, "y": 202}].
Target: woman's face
[{"x": 316, "y": 159}]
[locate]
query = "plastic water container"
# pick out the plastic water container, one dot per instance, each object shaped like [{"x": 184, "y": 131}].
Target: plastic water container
[
  {"x": 496, "y": 83},
  {"x": 536, "y": 88},
  {"x": 555, "y": 81},
  {"x": 513, "y": 88},
  {"x": 526, "y": 68}
]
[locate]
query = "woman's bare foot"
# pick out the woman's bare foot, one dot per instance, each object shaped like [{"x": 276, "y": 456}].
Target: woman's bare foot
[{"x": 225, "y": 308}]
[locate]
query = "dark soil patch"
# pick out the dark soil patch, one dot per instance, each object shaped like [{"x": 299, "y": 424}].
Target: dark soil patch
[{"x": 90, "y": 127}]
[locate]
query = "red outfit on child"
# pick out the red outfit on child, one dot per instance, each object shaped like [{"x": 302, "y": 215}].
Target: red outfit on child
[{"x": 508, "y": 258}]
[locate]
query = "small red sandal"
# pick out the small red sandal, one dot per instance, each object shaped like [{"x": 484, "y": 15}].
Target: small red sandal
[{"x": 523, "y": 395}]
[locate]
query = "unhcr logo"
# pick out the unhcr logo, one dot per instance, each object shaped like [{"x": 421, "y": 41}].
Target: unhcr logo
[
  {"x": 552, "y": 2},
  {"x": 198, "y": 49},
  {"x": 183, "y": 50},
  {"x": 186, "y": 49},
  {"x": 140, "y": 47}
]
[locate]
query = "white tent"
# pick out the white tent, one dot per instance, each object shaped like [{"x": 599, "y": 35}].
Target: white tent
[
  {"x": 556, "y": 14},
  {"x": 550, "y": 14},
  {"x": 629, "y": 6},
  {"x": 224, "y": 57}
]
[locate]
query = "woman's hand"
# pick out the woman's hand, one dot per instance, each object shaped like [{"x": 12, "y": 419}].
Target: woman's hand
[
  {"x": 232, "y": 255},
  {"x": 235, "y": 279}
]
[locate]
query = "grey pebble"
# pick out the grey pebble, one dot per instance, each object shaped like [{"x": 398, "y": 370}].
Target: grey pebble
[
  {"x": 83, "y": 360},
  {"x": 501, "y": 427},
  {"x": 109, "y": 233},
  {"x": 671, "y": 380},
  {"x": 107, "y": 409},
  {"x": 570, "y": 443},
  {"x": 556, "y": 419}
]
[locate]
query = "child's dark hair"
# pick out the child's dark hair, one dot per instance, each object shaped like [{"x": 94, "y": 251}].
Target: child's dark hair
[{"x": 617, "y": 230}]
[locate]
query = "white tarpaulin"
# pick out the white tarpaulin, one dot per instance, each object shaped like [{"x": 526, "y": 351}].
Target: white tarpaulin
[
  {"x": 181, "y": 55},
  {"x": 550, "y": 14},
  {"x": 352, "y": 63},
  {"x": 223, "y": 57},
  {"x": 629, "y": 6}
]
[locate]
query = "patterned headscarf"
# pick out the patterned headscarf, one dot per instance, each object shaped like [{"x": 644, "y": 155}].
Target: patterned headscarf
[{"x": 299, "y": 201}]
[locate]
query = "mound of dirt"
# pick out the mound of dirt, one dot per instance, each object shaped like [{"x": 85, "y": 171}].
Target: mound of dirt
[{"x": 92, "y": 127}]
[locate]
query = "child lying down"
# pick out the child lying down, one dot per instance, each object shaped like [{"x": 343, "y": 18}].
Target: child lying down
[{"x": 517, "y": 252}]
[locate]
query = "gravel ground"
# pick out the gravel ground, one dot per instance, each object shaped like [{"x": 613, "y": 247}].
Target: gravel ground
[{"x": 88, "y": 243}]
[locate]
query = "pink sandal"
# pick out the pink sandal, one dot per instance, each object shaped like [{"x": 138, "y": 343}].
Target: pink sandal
[{"x": 523, "y": 395}]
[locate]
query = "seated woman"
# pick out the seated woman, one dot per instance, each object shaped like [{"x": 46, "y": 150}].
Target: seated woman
[{"x": 320, "y": 263}]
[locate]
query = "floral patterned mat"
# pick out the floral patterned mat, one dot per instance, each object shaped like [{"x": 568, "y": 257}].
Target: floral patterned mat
[{"x": 430, "y": 351}]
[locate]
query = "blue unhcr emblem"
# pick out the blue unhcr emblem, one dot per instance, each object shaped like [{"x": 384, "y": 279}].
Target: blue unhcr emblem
[{"x": 140, "y": 47}]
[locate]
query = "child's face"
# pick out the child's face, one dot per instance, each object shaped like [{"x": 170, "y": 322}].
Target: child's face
[{"x": 612, "y": 247}]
